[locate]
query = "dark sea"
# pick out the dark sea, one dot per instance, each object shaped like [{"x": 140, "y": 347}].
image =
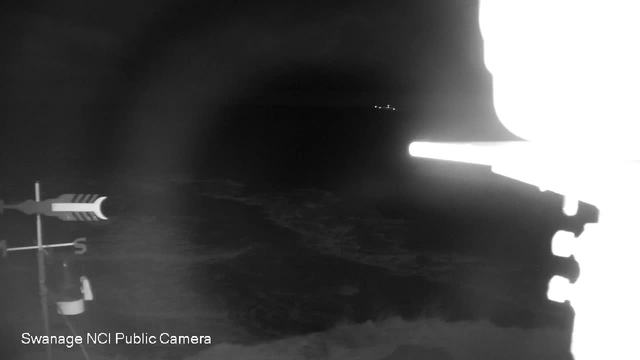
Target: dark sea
[{"x": 267, "y": 223}]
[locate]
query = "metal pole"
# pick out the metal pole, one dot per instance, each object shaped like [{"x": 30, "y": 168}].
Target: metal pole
[
  {"x": 38, "y": 247},
  {"x": 42, "y": 276}
]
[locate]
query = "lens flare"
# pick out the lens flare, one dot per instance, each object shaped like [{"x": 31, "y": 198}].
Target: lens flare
[
  {"x": 565, "y": 70},
  {"x": 566, "y": 77}
]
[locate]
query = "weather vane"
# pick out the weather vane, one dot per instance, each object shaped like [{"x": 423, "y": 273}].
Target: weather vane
[{"x": 67, "y": 207}]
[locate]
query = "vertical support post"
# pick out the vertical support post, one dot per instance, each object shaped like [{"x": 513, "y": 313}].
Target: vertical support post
[{"x": 42, "y": 275}]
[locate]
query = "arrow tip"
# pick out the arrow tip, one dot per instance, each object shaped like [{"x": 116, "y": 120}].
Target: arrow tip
[{"x": 98, "y": 210}]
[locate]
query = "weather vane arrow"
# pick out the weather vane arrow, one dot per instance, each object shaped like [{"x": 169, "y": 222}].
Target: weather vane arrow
[{"x": 67, "y": 207}]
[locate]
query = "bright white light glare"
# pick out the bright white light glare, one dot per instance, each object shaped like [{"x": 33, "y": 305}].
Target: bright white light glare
[
  {"x": 482, "y": 153},
  {"x": 566, "y": 74},
  {"x": 570, "y": 206},
  {"x": 451, "y": 152},
  {"x": 559, "y": 289},
  {"x": 605, "y": 296},
  {"x": 565, "y": 71},
  {"x": 566, "y": 77},
  {"x": 563, "y": 244}
]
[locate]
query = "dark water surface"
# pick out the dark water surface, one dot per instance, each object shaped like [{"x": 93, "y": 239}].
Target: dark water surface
[{"x": 276, "y": 289}]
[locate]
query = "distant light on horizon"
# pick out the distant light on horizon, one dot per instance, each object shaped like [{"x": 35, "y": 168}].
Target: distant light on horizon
[{"x": 388, "y": 107}]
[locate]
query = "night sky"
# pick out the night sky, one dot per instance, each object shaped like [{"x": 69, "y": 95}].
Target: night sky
[
  {"x": 172, "y": 86},
  {"x": 224, "y": 50},
  {"x": 119, "y": 78}
]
